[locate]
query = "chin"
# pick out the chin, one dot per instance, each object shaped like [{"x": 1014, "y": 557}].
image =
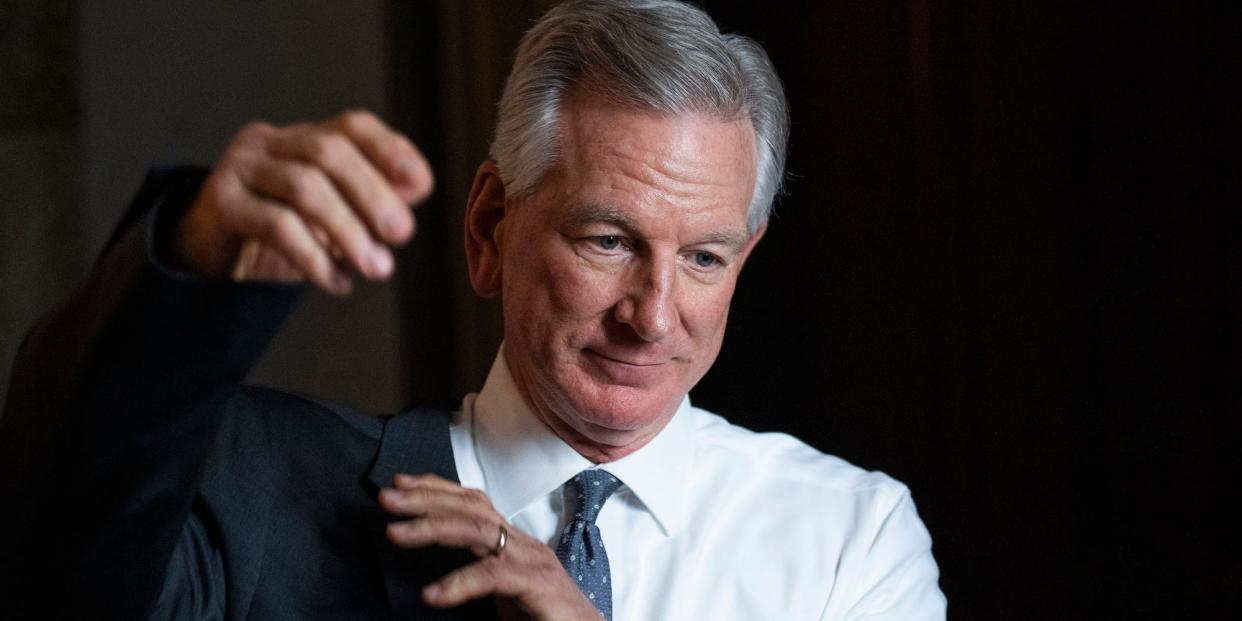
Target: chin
[
  {"x": 606, "y": 404},
  {"x": 622, "y": 411}
]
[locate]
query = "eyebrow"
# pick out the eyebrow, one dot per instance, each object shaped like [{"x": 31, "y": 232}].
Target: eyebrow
[
  {"x": 734, "y": 241},
  {"x": 596, "y": 213}
]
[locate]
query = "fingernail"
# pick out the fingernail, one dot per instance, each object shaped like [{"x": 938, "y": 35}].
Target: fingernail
[
  {"x": 431, "y": 591},
  {"x": 381, "y": 262}
]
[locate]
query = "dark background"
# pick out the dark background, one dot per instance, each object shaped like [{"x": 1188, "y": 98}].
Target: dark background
[{"x": 1006, "y": 271}]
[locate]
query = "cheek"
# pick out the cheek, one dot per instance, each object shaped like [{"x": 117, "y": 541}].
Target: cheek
[
  {"x": 551, "y": 288},
  {"x": 706, "y": 312},
  {"x": 578, "y": 291}
]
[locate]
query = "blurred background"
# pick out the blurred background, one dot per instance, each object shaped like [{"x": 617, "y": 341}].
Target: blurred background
[{"x": 1006, "y": 272}]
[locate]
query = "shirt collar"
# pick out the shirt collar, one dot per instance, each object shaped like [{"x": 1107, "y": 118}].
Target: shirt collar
[{"x": 523, "y": 460}]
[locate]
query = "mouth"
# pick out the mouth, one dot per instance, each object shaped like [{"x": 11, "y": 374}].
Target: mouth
[
  {"x": 627, "y": 361},
  {"x": 641, "y": 372}
]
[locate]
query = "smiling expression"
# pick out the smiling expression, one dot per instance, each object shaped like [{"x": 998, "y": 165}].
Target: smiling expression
[{"x": 617, "y": 272}]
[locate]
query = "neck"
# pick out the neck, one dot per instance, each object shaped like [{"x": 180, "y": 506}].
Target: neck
[{"x": 596, "y": 451}]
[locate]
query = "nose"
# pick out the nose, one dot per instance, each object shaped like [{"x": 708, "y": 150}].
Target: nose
[{"x": 650, "y": 308}]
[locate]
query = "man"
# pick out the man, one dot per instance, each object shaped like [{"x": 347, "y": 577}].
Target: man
[{"x": 634, "y": 165}]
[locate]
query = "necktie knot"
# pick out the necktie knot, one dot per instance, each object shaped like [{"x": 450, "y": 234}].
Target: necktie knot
[{"x": 589, "y": 490}]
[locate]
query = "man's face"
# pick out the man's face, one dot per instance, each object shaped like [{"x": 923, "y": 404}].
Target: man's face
[{"x": 618, "y": 271}]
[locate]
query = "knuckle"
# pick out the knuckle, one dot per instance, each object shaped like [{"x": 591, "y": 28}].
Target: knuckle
[
  {"x": 239, "y": 161},
  {"x": 282, "y": 226},
  {"x": 357, "y": 119},
  {"x": 481, "y": 526},
  {"x": 254, "y": 130},
  {"x": 369, "y": 198},
  {"x": 436, "y": 522},
  {"x": 476, "y": 497},
  {"x": 305, "y": 188},
  {"x": 423, "y": 496},
  {"x": 328, "y": 148}
]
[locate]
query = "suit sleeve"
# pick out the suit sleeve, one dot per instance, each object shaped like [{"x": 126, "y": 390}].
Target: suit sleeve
[{"x": 114, "y": 404}]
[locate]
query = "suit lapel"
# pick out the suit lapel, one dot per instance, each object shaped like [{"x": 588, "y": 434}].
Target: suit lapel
[{"x": 417, "y": 442}]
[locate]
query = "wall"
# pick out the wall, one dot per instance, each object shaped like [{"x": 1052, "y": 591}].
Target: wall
[
  {"x": 42, "y": 245},
  {"x": 169, "y": 82}
]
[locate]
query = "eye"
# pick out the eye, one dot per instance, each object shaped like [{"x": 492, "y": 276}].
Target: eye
[
  {"x": 706, "y": 259},
  {"x": 608, "y": 242}
]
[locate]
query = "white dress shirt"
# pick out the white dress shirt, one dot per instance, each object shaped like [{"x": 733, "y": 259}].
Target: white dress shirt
[{"x": 713, "y": 521}]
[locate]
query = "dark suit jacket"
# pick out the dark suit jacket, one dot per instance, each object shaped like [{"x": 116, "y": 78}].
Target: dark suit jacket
[{"x": 140, "y": 479}]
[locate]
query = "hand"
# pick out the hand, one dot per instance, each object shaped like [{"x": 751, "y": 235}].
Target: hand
[
  {"x": 308, "y": 201},
  {"x": 525, "y": 575}
]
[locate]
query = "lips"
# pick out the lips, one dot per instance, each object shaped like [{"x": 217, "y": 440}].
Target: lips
[
  {"x": 632, "y": 371},
  {"x": 628, "y": 360}
]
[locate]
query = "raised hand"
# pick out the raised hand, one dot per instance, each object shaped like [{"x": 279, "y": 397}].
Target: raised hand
[{"x": 319, "y": 201}]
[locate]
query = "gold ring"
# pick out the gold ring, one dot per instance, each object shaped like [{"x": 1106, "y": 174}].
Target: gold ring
[{"x": 501, "y": 541}]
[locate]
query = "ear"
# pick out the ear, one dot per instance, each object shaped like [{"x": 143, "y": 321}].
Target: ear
[
  {"x": 754, "y": 241},
  {"x": 485, "y": 211}
]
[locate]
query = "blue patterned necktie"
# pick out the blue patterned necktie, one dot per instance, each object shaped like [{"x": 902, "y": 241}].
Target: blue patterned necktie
[{"x": 581, "y": 551}]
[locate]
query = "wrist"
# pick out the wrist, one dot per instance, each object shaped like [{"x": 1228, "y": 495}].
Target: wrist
[
  {"x": 170, "y": 206},
  {"x": 194, "y": 244}
]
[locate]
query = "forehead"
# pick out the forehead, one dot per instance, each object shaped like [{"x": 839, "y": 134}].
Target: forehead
[{"x": 689, "y": 166}]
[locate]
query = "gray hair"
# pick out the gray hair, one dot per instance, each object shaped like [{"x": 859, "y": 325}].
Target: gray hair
[{"x": 659, "y": 55}]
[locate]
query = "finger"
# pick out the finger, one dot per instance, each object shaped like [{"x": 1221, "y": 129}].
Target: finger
[
  {"x": 391, "y": 153},
  {"x": 409, "y": 481},
  {"x": 258, "y": 261},
  {"x": 312, "y": 194},
  {"x": 479, "y": 535},
  {"x": 370, "y": 195},
  {"x": 286, "y": 232},
  {"x": 473, "y": 581},
  {"x": 325, "y": 240},
  {"x": 423, "y": 500}
]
